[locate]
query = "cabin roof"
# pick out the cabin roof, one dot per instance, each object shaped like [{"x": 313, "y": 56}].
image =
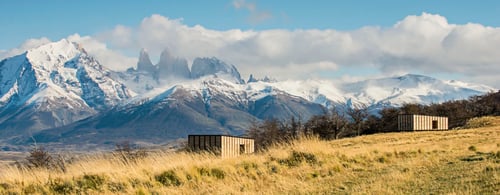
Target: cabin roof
[{"x": 220, "y": 135}]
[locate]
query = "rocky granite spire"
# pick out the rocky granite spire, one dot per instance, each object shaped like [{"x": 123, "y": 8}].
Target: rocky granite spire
[
  {"x": 144, "y": 63},
  {"x": 213, "y": 66},
  {"x": 171, "y": 67}
]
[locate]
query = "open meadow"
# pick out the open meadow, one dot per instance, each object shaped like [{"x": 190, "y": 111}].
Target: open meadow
[{"x": 433, "y": 162}]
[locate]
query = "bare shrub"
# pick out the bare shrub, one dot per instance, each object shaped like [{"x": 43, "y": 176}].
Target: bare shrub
[
  {"x": 39, "y": 158},
  {"x": 127, "y": 153}
]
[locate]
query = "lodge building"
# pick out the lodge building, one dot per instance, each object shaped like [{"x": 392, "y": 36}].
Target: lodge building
[
  {"x": 414, "y": 122},
  {"x": 223, "y": 145}
]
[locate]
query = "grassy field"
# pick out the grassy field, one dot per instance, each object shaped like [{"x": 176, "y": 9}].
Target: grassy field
[
  {"x": 450, "y": 162},
  {"x": 10, "y": 157}
]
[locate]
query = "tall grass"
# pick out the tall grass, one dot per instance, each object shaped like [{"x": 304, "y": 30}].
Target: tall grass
[{"x": 392, "y": 163}]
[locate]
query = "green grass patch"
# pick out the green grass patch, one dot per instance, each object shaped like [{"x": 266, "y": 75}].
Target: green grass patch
[
  {"x": 296, "y": 158},
  {"x": 169, "y": 178},
  {"x": 116, "y": 187},
  {"x": 472, "y": 148},
  {"x": 91, "y": 182},
  {"x": 60, "y": 186},
  {"x": 213, "y": 172}
]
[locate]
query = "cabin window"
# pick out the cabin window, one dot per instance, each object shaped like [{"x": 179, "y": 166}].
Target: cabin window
[
  {"x": 242, "y": 148},
  {"x": 434, "y": 124}
]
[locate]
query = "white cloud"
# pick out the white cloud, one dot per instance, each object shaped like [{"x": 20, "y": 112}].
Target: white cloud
[
  {"x": 426, "y": 44},
  {"x": 238, "y": 4},
  {"x": 109, "y": 58},
  {"x": 28, "y": 44},
  {"x": 121, "y": 37},
  {"x": 256, "y": 15}
]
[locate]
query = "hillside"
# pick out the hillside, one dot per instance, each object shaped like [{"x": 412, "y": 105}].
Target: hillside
[{"x": 456, "y": 161}]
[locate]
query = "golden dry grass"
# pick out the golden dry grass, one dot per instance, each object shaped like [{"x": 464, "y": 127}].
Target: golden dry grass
[{"x": 447, "y": 162}]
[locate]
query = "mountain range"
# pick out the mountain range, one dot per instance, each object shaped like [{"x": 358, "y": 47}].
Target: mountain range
[{"x": 58, "y": 94}]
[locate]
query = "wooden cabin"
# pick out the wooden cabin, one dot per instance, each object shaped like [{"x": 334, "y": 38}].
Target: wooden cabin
[
  {"x": 414, "y": 122},
  {"x": 223, "y": 145}
]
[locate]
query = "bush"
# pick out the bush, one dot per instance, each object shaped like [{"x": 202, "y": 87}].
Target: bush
[
  {"x": 117, "y": 187},
  {"x": 39, "y": 158},
  {"x": 93, "y": 182},
  {"x": 296, "y": 158},
  {"x": 249, "y": 166},
  {"x": 273, "y": 168},
  {"x": 214, "y": 172},
  {"x": 217, "y": 173},
  {"x": 168, "y": 178},
  {"x": 58, "y": 186},
  {"x": 382, "y": 159},
  {"x": 33, "y": 189},
  {"x": 472, "y": 148},
  {"x": 203, "y": 171},
  {"x": 4, "y": 186}
]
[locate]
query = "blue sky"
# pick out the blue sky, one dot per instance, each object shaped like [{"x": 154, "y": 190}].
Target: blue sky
[
  {"x": 56, "y": 19},
  {"x": 435, "y": 37}
]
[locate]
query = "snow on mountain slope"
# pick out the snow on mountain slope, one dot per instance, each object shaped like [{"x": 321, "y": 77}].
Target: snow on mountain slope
[
  {"x": 208, "y": 88},
  {"x": 410, "y": 88},
  {"x": 214, "y": 85},
  {"x": 475, "y": 87},
  {"x": 209, "y": 105},
  {"x": 55, "y": 86},
  {"x": 393, "y": 91},
  {"x": 58, "y": 79},
  {"x": 317, "y": 91},
  {"x": 205, "y": 85},
  {"x": 67, "y": 68},
  {"x": 376, "y": 93}
]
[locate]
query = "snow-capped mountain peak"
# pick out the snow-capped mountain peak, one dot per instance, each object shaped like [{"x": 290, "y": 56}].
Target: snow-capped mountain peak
[
  {"x": 54, "y": 77},
  {"x": 66, "y": 65},
  {"x": 53, "y": 55},
  {"x": 53, "y": 87},
  {"x": 410, "y": 88},
  {"x": 266, "y": 79}
]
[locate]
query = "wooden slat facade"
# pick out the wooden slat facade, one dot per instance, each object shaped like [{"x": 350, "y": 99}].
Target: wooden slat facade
[
  {"x": 413, "y": 122},
  {"x": 223, "y": 145}
]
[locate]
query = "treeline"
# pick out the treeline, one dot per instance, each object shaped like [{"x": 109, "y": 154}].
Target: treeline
[{"x": 355, "y": 121}]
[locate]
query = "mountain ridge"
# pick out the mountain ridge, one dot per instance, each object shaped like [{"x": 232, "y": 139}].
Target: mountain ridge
[{"x": 58, "y": 93}]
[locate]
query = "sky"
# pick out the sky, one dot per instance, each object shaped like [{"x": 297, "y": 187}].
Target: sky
[{"x": 345, "y": 40}]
